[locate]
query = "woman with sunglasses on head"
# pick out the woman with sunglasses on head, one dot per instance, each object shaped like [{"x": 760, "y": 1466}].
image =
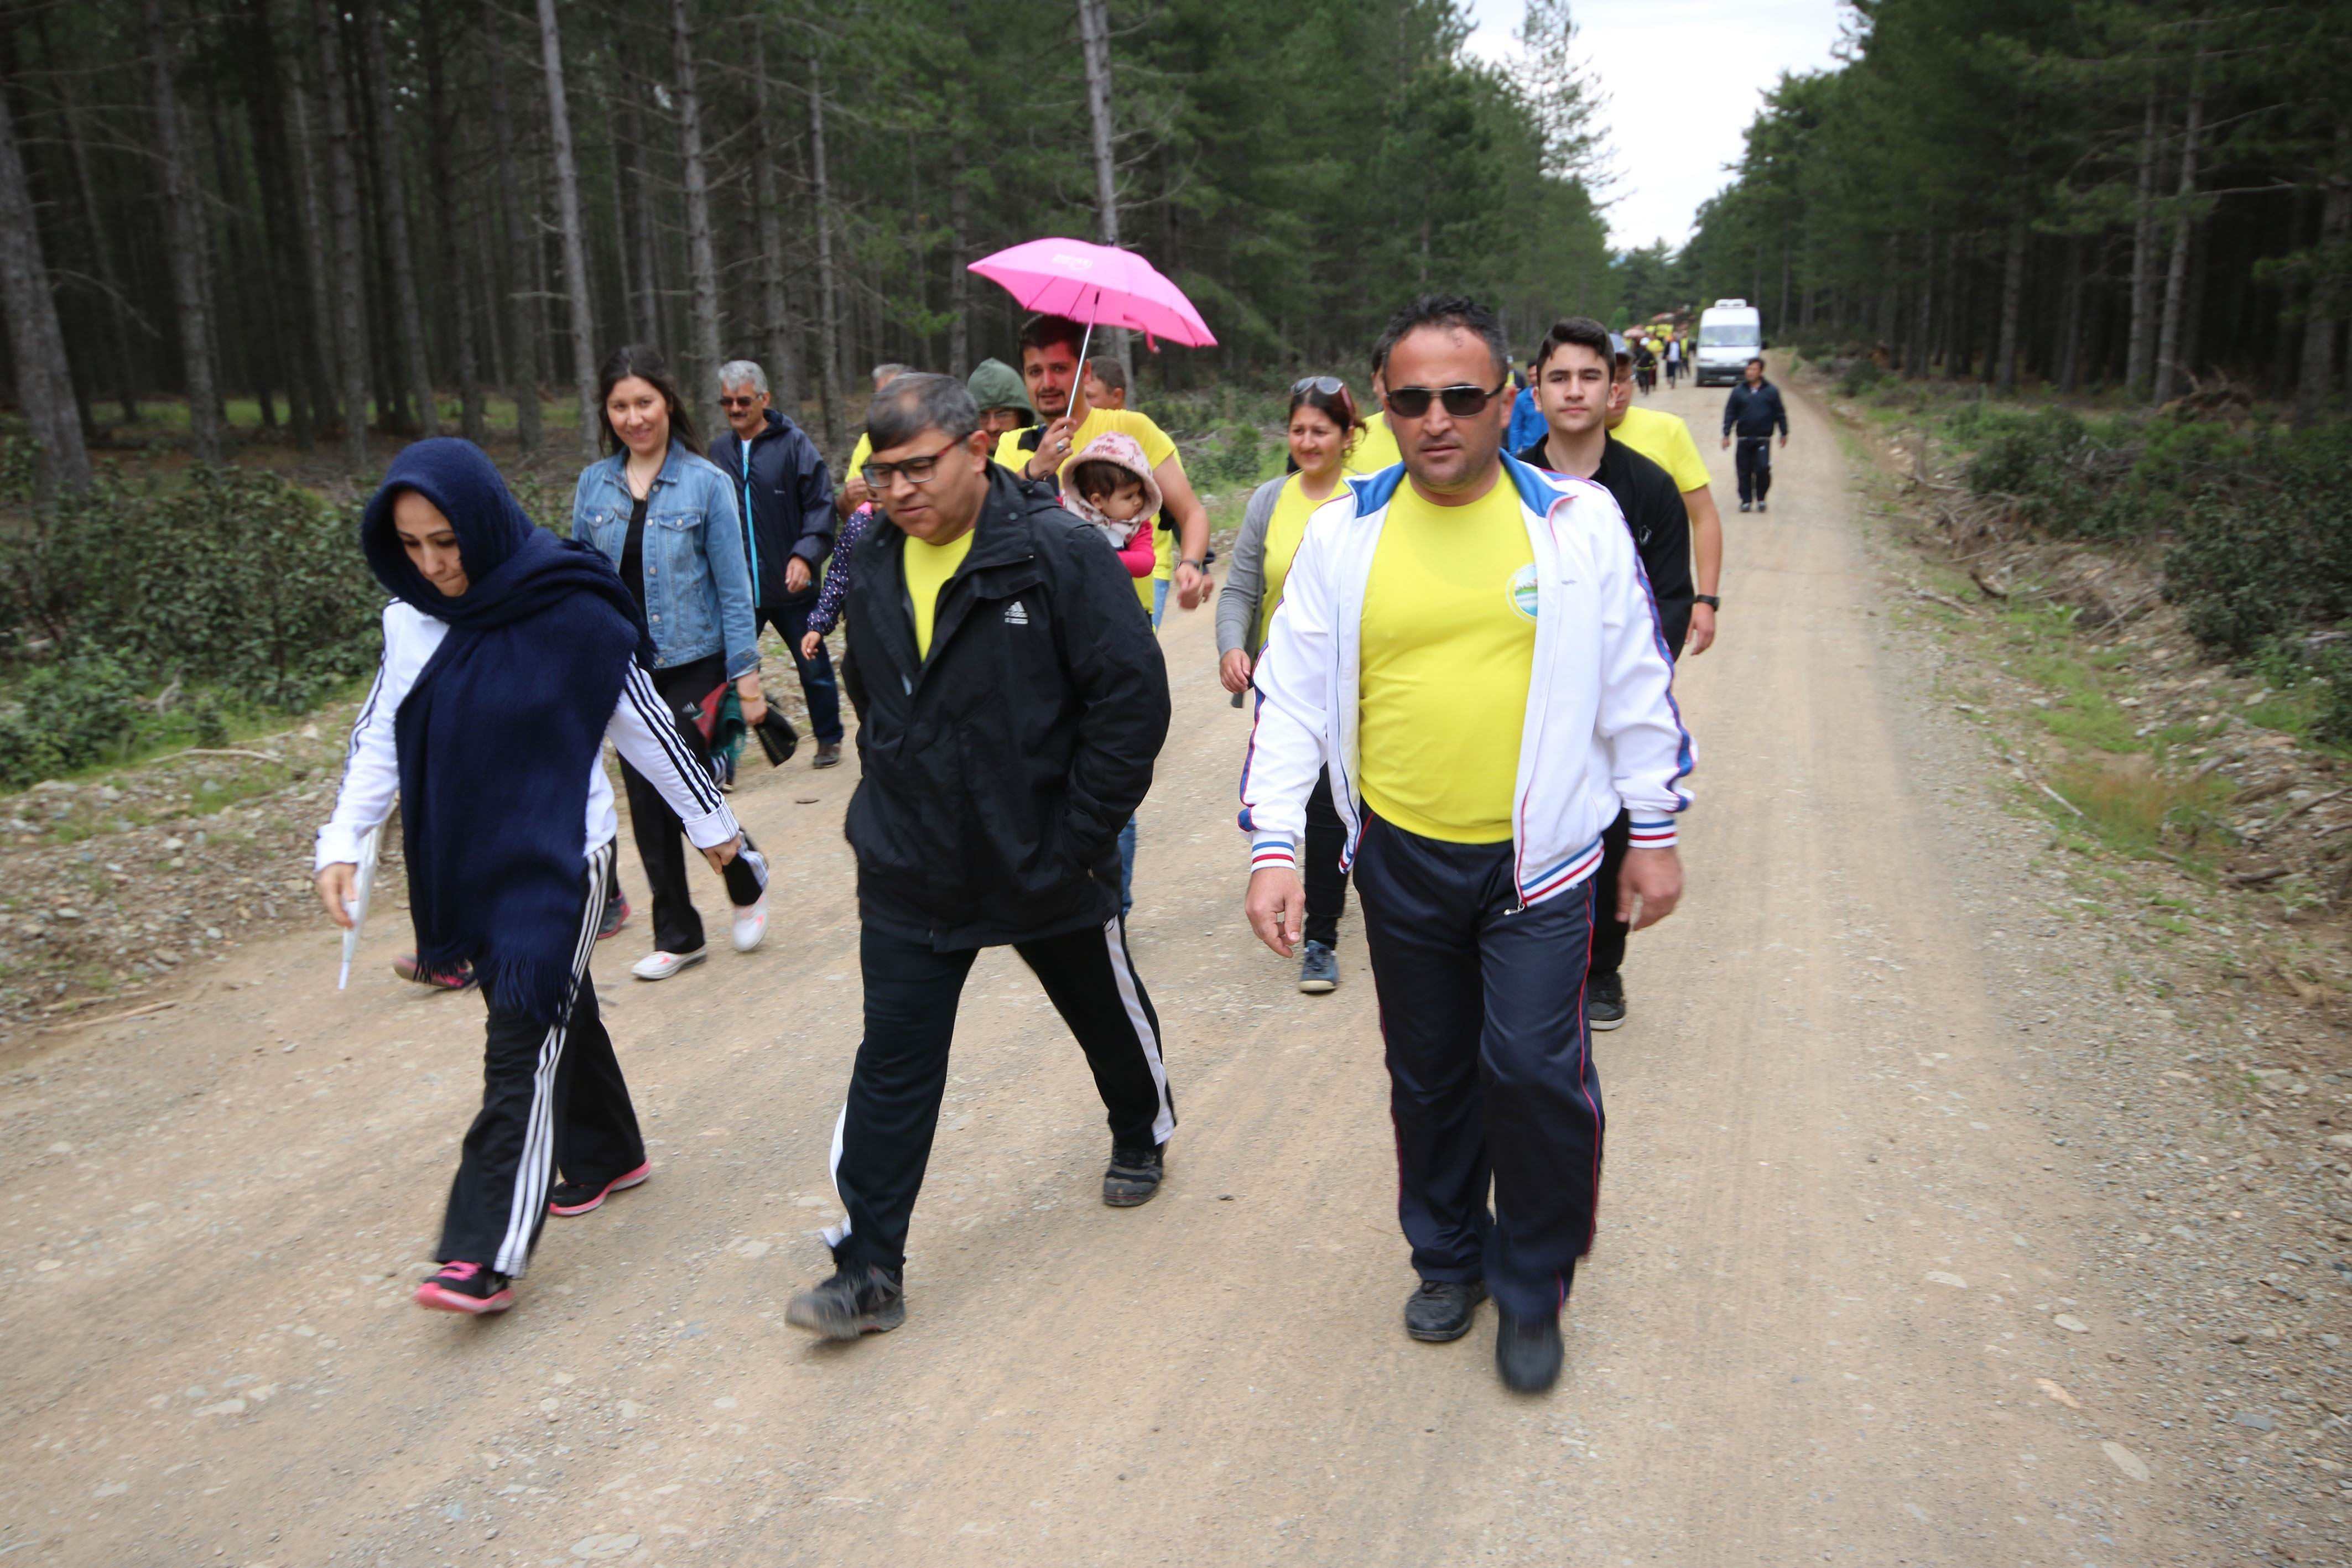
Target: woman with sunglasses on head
[
  {"x": 665, "y": 517},
  {"x": 1324, "y": 430},
  {"x": 509, "y": 655}
]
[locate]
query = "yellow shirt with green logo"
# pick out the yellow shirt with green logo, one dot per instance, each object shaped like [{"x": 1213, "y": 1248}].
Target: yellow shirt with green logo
[
  {"x": 1448, "y": 651},
  {"x": 1664, "y": 440},
  {"x": 929, "y": 566},
  {"x": 1284, "y": 530},
  {"x": 1157, "y": 449},
  {"x": 1375, "y": 449}
]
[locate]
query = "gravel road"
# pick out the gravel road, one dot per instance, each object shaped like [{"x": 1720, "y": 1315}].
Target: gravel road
[{"x": 1865, "y": 1290}]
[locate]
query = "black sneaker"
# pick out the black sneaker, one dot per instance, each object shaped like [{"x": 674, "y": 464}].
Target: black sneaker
[
  {"x": 617, "y": 914},
  {"x": 1762, "y": 507},
  {"x": 1746, "y": 506},
  {"x": 828, "y": 755},
  {"x": 1319, "y": 968},
  {"x": 1527, "y": 1352},
  {"x": 1604, "y": 1001},
  {"x": 1439, "y": 1310},
  {"x": 853, "y": 1302},
  {"x": 1134, "y": 1174}
]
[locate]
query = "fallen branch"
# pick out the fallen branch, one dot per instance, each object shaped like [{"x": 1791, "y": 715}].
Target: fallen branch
[
  {"x": 2289, "y": 815},
  {"x": 2054, "y": 794},
  {"x": 109, "y": 1017},
  {"x": 220, "y": 751},
  {"x": 1933, "y": 598},
  {"x": 2257, "y": 878}
]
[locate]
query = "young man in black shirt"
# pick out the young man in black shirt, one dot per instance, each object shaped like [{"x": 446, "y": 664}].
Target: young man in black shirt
[{"x": 1573, "y": 369}]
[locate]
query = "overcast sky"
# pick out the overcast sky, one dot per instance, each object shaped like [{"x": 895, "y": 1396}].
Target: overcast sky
[{"x": 1673, "y": 140}]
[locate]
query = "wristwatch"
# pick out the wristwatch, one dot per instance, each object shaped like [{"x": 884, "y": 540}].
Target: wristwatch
[{"x": 1709, "y": 600}]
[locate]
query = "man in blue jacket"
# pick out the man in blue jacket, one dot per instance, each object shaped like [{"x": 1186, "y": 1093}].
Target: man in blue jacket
[
  {"x": 1752, "y": 412},
  {"x": 785, "y": 497}
]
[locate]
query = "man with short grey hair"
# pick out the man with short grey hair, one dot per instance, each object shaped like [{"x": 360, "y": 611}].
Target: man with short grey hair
[
  {"x": 784, "y": 503},
  {"x": 1013, "y": 702}
]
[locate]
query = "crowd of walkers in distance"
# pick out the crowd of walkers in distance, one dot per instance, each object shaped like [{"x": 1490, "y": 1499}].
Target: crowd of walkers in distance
[{"x": 1453, "y": 618}]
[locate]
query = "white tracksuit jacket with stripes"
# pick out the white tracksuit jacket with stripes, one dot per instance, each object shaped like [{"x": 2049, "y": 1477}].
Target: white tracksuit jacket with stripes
[
  {"x": 1602, "y": 726},
  {"x": 641, "y": 730}
]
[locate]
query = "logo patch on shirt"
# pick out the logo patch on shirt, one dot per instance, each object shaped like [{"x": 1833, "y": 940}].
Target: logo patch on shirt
[
  {"x": 1522, "y": 589},
  {"x": 1016, "y": 614}
]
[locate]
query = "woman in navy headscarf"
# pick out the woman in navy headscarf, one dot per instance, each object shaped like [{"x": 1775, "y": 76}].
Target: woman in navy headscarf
[{"x": 508, "y": 655}]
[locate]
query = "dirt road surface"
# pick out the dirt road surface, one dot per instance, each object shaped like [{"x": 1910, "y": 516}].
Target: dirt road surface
[{"x": 1840, "y": 1257}]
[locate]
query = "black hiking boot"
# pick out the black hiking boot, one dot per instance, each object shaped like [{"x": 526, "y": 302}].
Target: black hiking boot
[
  {"x": 1439, "y": 1310},
  {"x": 855, "y": 1301},
  {"x": 1134, "y": 1174}
]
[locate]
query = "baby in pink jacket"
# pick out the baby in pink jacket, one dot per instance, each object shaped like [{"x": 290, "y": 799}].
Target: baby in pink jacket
[{"x": 1109, "y": 484}]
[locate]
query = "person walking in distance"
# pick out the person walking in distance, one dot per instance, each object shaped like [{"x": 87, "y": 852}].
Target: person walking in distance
[
  {"x": 1014, "y": 701},
  {"x": 786, "y": 499},
  {"x": 665, "y": 517},
  {"x": 1573, "y": 372},
  {"x": 1323, "y": 427},
  {"x": 1666, "y": 440},
  {"x": 509, "y": 656},
  {"x": 1673, "y": 361},
  {"x": 1468, "y": 645},
  {"x": 1752, "y": 412}
]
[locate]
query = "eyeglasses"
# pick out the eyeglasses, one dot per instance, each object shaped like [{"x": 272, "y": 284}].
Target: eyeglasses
[
  {"x": 1328, "y": 386},
  {"x": 914, "y": 470},
  {"x": 737, "y": 402},
  {"x": 1461, "y": 401}
]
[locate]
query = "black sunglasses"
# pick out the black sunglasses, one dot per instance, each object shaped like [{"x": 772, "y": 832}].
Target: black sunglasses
[{"x": 1461, "y": 401}]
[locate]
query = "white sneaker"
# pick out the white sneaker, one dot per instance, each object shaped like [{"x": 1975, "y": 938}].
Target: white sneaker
[
  {"x": 660, "y": 965},
  {"x": 751, "y": 925}
]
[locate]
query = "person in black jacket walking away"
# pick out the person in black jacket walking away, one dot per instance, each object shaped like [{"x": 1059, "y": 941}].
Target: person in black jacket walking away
[
  {"x": 1753, "y": 412},
  {"x": 1013, "y": 702},
  {"x": 785, "y": 497}
]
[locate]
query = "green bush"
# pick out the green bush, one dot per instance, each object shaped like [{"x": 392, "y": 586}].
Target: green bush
[
  {"x": 66, "y": 715},
  {"x": 2264, "y": 546},
  {"x": 239, "y": 578},
  {"x": 1860, "y": 377},
  {"x": 2333, "y": 722}
]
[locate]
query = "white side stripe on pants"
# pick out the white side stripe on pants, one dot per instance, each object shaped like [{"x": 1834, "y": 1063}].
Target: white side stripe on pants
[
  {"x": 537, "y": 1167},
  {"x": 1163, "y": 1125}
]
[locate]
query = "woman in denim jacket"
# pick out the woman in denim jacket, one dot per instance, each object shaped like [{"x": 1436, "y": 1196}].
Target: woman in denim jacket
[{"x": 667, "y": 518}]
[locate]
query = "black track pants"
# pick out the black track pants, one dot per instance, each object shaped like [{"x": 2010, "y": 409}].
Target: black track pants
[
  {"x": 1326, "y": 882},
  {"x": 1752, "y": 460},
  {"x": 883, "y": 1138},
  {"x": 1490, "y": 1065},
  {"x": 552, "y": 1099},
  {"x": 817, "y": 683},
  {"x": 1608, "y": 933}
]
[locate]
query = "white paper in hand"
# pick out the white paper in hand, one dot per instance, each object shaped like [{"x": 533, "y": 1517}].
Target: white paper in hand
[{"x": 361, "y": 886}]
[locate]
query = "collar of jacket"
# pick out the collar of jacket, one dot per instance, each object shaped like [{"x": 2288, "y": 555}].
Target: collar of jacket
[
  {"x": 616, "y": 465},
  {"x": 1000, "y": 539}
]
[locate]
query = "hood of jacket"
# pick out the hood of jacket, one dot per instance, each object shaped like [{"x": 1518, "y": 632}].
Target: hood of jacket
[{"x": 995, "y": 384}]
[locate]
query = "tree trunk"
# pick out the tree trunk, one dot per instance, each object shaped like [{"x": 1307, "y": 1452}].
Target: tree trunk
[
  {"x": 1094, "y": 38},
  {"x": 303, "y": 111},
  {"x": 1923, "y": 317},
  {"x": 343, "y": 192},
  {"x": 2139, "y": 343},
  {"x": 701, "y": 255},
  {"x": 36, "y": 343},
  {"x": 260, "y": 345},
  {"x": 2323, "y": 300},
  {"x": 292, "y": 283},
  {"x": 185, "y": 227},
  {"x": 392, "y": 187},
  {"x": 2012, "y": 301},
  {"x": 2176, "y": 277},
  {"x": 110, "y": 277},
  {"x": 527, "y": 344},
  {"x": 444, "y": 127},
  {"x": 958, "y": 258},
  {"x": 645, "y": 316},
  {"x": 828, "y": 331},
  {"x": 775, "y": 319},
  {"x": 2070, "y": 348},
  {"x": 575, "y": 248}
]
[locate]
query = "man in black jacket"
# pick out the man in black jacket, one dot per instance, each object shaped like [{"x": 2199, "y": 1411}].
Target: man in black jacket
[
  {"x": 1574, "y": 369},
  {"x": 785, "y": 499},
  {"x": 1752, "y": 412},
  {"x": 1014, "y": 701}
]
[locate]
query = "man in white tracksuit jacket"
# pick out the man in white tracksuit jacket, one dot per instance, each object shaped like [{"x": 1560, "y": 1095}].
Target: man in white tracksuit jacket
[{"x": 1472, "y": 648}]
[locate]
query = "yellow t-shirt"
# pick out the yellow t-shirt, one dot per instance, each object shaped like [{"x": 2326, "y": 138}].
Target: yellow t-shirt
[
  {"x": 1448, "y": 651},
  {"x": 1284, "y": 530},
  {"x": 1375, "y": 449},
  {"x": 858, "y": 455},
  {"x": 1157, "y": 449},
  {"x": 1664, "y": 440},
  {"x": 929, "y": 566}
]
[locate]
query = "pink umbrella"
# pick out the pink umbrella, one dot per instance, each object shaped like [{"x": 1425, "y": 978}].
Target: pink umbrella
[{"x": 1100, "y": 285}]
